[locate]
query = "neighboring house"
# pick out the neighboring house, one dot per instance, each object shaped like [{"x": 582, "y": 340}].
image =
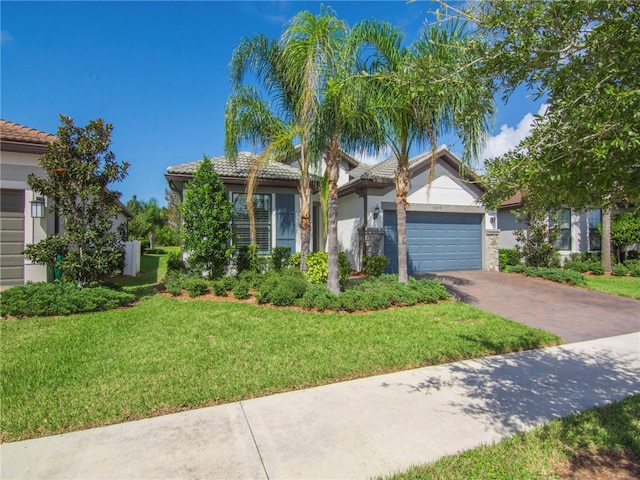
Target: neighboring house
[
  {"x": 24, "y": 215},
  {"x": 577, "y": 230},
  {"x": 447, "y": 229}
]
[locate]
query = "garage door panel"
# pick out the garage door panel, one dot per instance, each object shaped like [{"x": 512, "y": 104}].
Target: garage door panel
[{"x": 436, "y": 241}]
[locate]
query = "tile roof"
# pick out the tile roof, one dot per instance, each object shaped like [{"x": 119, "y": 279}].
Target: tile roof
[
  {"x": 13, "y": 132},
  {"x": 387, "y": 169},
  {"x": 225, "y": 168}
]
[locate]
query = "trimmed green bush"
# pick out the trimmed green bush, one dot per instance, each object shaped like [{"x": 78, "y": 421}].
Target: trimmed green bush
[
  {"x": 577, "y": 266},
  {"x": 352, "y": 301},
  {"x": 554, "y": 274},
  {"x": 219, "y": 287},
  {"x": 174, "y": 262},
  {"x": 635, "y": 271},
  {"x": 241, "y": 290},
  {"x": 229, "y": 282},
  {"x": 282, "y": 288},
  {"x": 508, "y": 257},
  {"x": 59, "y": 298},
  {"x": 597, "y": 268},
  {"x": 295, "y": 259},
  {"x": 374, "y": 266},
  {"x": 195, "y": 286},
  {"x": 173, "y": 282},
  {"x": 318, "y": 297},
  {"x": 620, "y": 270},
  {"x": 280, "y": 257},
  {"x": 155, "y": 251},
  {"x": 428, "y": 291}
]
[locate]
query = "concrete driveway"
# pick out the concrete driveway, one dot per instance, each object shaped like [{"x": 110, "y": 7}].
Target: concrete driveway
[{"x": 575, "y": 314}]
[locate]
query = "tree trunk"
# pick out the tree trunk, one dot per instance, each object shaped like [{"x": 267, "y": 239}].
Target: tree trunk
[
  {"x": 605, "y": 246},
  {"x": 251, "y": 212},
  {"x": 402, "y": 191},
  {"x": 152, "y": 238},
  {"x": 305, "y": 219},
  {"x": 333, "y": 280}
]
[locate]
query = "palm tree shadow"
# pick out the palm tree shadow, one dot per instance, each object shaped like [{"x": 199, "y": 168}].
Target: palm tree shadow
[
  {"x": 452, "y": 283},
  {"x": 513, "y": 393}
]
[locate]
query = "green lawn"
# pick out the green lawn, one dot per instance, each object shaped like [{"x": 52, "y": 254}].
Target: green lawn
[
  {"x": 595, "y": 444},
  {"x": 623, "y": 286},
  {"x": 163, "y": 355}
]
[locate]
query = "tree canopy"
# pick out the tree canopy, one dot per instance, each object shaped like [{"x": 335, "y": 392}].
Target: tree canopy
[
  {"x": 80, "y": 168},
  {"x": 584, "y": 151},
  {"x": 207, "y": 214}
]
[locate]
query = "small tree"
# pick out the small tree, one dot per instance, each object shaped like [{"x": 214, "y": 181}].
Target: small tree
[
  {"x": 80, "y": 167},
  {"x": 625, "y": 231},
  {"x": 207, "y": 213},
  {"x": 537, "y": 244},
  {"x": 148, "y": 217}
]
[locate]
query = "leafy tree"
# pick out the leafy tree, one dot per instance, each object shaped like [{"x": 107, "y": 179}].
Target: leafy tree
[
  {"x": 625, "y": 231},
  {"x": 423, "y": 90},
  {"x": 207, "y": 214},
  {"x": 537, "y": 243},
  {"x": 147, "y": 218},
  {"x": 80, "y": 167},
  {"x": 583, "y": 152}
]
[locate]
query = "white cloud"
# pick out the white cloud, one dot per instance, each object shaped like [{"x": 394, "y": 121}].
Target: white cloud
[
  {"x": 510, "y": 137},
  {"x": 364, "y": 157},
  {"x": 5, "y": 37}
]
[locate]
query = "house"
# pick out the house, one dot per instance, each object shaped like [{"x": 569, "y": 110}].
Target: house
[
  {"x": 24, "y": 216},
  {"x": 447, "y": 228},
  {"x": 577, "y": 229}
]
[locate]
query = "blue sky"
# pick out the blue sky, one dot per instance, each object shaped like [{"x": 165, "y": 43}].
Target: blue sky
[{"x": 158, "y": 71}]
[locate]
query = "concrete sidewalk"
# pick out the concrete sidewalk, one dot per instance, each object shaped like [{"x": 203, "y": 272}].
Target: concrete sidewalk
[{"x": 357, "y": 429}]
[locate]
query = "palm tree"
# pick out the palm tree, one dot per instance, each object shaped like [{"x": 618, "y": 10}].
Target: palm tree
[
  {"x": 249, "y": 117},
  {"x": 423, "y": 91}
]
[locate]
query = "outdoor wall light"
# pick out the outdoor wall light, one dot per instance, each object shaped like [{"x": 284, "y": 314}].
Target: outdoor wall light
[
  {"x": 376, "y": 212},
  {"x": 37, "y": 207}
]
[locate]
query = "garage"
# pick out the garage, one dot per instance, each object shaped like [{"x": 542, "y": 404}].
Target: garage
[
  {"x": 436, "y": 242},
  {"x": 11, "y": 237}
]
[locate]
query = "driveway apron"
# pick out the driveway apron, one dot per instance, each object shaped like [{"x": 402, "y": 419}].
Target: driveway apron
[{"x": 574, "y": 314}]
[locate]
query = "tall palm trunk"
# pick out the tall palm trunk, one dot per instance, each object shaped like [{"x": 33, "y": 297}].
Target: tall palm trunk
[
  {"x": 605, "y": 245},
  {"x": 304, "y": 187},
  {"x": 333, "y": 281},
  {"x": 402, "y": 191}
]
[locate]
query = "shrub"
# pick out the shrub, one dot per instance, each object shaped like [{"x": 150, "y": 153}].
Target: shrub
[
  {"x": 245, "y": 260},
  {"x": 155, "y": 251},
  {"x": 295, "y": 259},
  {"x": 219, "y": 288},
  {"x": 635, "y": 271},
  {"x": 241, "y": 290},
  {"x": 508, "y": 257},
  {"x": 174, "y": 262},
  {"x": 228, "y": 282},
  {"x": 59, "y": 298},
  {"x": 353, "y": 300},
  {"x": 317, "y": 296},
  {"x": 195, "y": 286},
  {"x": 578, "y": 266},
  {"x": 173, "y": 282},
  {"x": 554, "y": 274},
  {"x": 254, "y": 279},
  {"x": 280, "y": 258},
  {"x": 318, "y": 267},
  {"x": 428, "y": 291},
  {"x": 282, "y": 288},
  {"x": 374, "y": 266},
  {"x": 597, "y": 268},
  {"x": 620, "y": 271}
]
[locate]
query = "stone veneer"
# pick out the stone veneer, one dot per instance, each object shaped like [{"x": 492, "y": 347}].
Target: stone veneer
[{"x": 492, "y": 258}]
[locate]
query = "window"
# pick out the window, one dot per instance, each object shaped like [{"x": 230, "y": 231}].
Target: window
[
  {"x": 563, "y": 224},
  {"x": 594, "y": 219},
  {"x": 242, "y": 227}
]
